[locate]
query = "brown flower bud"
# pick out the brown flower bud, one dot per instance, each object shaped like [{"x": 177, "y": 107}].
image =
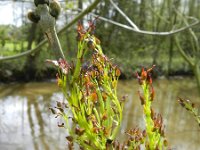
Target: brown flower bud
[
  {"x": 53, "y": 110},
  {"x": 59, "y": 104},
  {"x": 61, "y": 125},
  {"x": 69, "y": 138},
  {"x": 117, "y": 72},
  {"x": 79, "y": 131},
  {"x": 142, "y": 100},
  {"x": 152, "y": 94}
]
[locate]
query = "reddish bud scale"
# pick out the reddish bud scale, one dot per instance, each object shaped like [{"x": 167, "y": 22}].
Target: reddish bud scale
[
  {"x": 106, "y": 131},
  {"x": 152, "y": 114},
  {"x": 144, "y": 133},
  {"x": 104, "y": 116},
  {"x": 69, "y": 138},
  {"x": 152, "y": 94},
  {"x": 150, "y": 69},
  {"x": 104, "y": 96},
  {"x": 139, "y": 79},
  {"x": 142, "y": 100},
  {"x": 149, "y": 79},
  {"x": 79, "y": 131},
  {"x": 95, "y": 130},
  {"x": 143, "y": 74},
  {"x": 117, "y": 72},
  {"x": 94, "y": 97}
]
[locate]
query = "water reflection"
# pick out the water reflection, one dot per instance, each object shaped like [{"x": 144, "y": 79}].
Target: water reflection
[
  {"x": 26, "y": 122},
  {"x": 25, "y": 119}
]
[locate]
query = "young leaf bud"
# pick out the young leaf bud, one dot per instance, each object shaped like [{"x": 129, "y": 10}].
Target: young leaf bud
[
  {"x": 38, "y": 2},
  {"x": 55, "y": 8},
  {"x": 33, "y": 17}
]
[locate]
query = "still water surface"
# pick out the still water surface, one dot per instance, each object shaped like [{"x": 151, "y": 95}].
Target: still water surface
[{"x": 27, "y": 124}]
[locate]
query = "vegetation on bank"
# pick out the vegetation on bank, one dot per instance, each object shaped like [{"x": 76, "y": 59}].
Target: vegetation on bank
[
  {"x": 130, "y": 50},
  {"x": 130, "y": 60}
]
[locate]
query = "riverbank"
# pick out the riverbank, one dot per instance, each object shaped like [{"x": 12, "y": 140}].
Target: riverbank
[{"x": 8, "y": 75}]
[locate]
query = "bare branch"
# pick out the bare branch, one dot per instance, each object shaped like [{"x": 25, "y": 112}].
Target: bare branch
[
  {"x": 124, "y": 15},
  {"x": 190, "y": 30},
  {"x": 147, "y": 32},
  {"x": 187, "y": 58},
  {"x": 28, "y": 52},
  {"x": 136, "y": 29},
  {"x": 38, "y": 47}
]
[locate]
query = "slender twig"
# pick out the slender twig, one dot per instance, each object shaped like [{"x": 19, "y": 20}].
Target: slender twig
[{"x": 38, "y": 47}]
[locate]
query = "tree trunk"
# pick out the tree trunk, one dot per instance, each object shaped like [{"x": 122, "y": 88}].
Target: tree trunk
[
  {"x": 30, "y": 64},
  {"x": 170, "y": 56},
  {"x": 196, "y": 70}
]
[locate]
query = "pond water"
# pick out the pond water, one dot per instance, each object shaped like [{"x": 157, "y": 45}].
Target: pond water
[{"x": 27, "y": 124}]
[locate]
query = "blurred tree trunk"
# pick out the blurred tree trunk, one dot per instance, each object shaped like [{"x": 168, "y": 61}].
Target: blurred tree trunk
[
  {"x": 80, "y": 6},
  {"x": 191, "y": 7},
  {"x": 142, "y": 14},
  {"x": 172, "y": 19},
  {"x": 23, "y": 22},
  {"x": 31, "y": 36},
  {"x": 170, "y": 55},
  {"x": 30, "y": 68},
  {"x": 157, "y": 40}
]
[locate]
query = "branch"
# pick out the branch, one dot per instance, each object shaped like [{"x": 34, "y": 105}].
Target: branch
[
  {"x": 190, "y": 30},
  {"x": 136, "y": 29},
  {"x": 38, "y": 47},
  {"x": 187, "y": 58},
  {"x": 124, "y": 15},
  {"x": 143, "y": 31}
]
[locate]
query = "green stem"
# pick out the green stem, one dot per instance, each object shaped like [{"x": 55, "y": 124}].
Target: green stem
[{"x": 196, "y": 70}]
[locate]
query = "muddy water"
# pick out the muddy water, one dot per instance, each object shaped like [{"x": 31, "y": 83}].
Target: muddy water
[{"x": 27, "y": 124}]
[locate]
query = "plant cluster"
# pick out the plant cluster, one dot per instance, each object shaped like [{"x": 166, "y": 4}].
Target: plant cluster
[
  {"x": 93, "y": 113},
  {"x": 190, "y": 107},
  {"x": 153, "y": 136}
]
